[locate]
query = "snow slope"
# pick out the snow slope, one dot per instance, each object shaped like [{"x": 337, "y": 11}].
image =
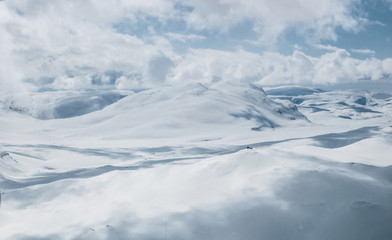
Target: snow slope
[
  {"x": 222, "y": 161},
  {"x": 54, "y": 105}
]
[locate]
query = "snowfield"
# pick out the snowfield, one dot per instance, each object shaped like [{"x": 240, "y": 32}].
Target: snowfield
[{"x": 220, "y": 161}]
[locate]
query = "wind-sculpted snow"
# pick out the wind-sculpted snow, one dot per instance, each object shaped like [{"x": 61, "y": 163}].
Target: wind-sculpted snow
[{"x": 222, "y": 161}]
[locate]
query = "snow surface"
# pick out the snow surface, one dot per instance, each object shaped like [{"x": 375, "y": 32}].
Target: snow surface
[{"x": 219, "y": 161}]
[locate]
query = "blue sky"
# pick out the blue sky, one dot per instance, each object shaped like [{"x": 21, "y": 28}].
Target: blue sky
[
  {"x": 375, "y": 35},
  {"x": 135, "y": 44}
]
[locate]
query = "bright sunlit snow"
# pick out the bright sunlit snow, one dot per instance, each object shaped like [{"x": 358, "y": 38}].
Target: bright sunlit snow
[{"x": 170, "y": 119}]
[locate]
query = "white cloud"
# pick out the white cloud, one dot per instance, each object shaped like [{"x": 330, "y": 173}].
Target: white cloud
[
  {"x": 274, "y": 69},
  {"x": 272, "y": 17},
  {"x": 185, "y": 37},
  {"x": 327, "y": 47},
  {"x": 206, "y": 65},
  {"x": 74, "y": 44},
  {"x": 363, "y": 51},
  {"x": 10, "y": 76},
  {"x": 61, "y": 43}
]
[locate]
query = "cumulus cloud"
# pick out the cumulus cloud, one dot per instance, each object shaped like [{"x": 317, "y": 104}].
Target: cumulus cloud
[
  {"x": 67, "y": 44},
  {"x": 10, "y": 77},
  {"x": 95, "y": 43},
  {"x": 273, "y": 68}
]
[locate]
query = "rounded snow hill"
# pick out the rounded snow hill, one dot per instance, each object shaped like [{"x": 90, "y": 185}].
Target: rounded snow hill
[
  {"x": 62, "y": 104},
  {"x": 190, "y": 108},
  {"x": 166, "y": 111}
]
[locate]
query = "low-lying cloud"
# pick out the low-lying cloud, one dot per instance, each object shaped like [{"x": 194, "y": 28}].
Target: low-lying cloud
[{"x": 273, "y": 68}]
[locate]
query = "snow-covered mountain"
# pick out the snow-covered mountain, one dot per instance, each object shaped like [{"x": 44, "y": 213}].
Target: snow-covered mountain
[
  {"x": 167, "y": 111},
  {"x": 182, "y": 110},
  {"x": 220, "y": 161}
]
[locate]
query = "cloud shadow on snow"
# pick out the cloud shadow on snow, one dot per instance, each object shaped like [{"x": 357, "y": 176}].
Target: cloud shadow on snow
[
  {"x": 83, "y": 173},
  {"x": 338, "y": 140},
  {"x": 323, "y": 205},
  {"x": 109, "y": 153}
]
